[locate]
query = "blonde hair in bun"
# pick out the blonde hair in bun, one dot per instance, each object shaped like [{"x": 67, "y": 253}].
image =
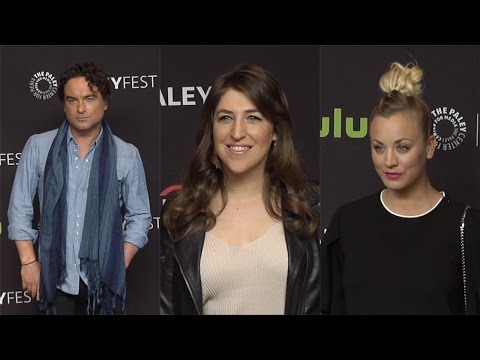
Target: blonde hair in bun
[
  {"x": 404, "y": 79},
  {"x": 402, "y": 86}
]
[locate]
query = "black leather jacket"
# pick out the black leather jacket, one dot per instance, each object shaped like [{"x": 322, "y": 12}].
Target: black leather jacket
[{"x": 180, "y": 283}]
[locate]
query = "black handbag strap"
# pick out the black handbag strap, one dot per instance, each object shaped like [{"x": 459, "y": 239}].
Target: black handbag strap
[{"x": 462, "y": 249}]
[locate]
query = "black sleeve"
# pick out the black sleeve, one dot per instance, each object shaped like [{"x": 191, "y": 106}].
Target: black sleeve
[
  {"x": 313, "y": 284},
  {"x": 472, "y": 247},
  {"x": 332, "y": 296}
]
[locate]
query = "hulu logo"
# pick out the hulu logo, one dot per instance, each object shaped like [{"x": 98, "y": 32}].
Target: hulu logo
[{"x": 337, "y": 126}]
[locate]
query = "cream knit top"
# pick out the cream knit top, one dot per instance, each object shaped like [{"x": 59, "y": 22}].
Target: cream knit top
[{"x": 248, "y": 279}]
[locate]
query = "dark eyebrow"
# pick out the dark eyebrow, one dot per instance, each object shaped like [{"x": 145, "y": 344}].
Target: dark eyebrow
[
  {"x": 224, "y": 111},
  {"x": 249, "y": 111},
  {"x": 68, "y": 97}
]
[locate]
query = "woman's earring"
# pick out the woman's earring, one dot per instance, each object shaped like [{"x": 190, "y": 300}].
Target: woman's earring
[{"x": 274, "y": 142}]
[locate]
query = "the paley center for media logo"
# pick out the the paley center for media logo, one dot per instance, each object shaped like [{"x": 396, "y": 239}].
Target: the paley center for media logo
[
  {"x": 449, "y": 128},
  {"x": 43, "y": 85}
]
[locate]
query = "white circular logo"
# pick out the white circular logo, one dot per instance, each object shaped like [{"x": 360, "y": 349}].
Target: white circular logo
[
  {"x": 43, "y": 85},
  {"x": 449, "y": 128}
]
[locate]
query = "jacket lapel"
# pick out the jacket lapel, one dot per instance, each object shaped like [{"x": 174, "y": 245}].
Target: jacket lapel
[
  {"x": 296, "y": 249},
  {"x": 188, "y": 252}
]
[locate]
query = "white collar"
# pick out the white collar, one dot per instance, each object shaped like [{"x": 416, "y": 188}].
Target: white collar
[{"x": 411, "y": 216}]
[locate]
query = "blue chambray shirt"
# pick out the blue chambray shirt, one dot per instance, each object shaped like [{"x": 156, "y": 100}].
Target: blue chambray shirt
[{"x": 30, "y": 176}]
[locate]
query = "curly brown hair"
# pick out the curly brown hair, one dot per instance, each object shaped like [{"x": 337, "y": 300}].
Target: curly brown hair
[{"x": 94, "y": 75}]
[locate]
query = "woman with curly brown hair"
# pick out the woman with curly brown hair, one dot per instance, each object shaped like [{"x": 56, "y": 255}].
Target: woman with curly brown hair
[{"x": 241, "y": 236}]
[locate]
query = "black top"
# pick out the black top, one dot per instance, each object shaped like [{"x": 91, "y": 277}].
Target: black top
[{"x": 375, "y": 262}]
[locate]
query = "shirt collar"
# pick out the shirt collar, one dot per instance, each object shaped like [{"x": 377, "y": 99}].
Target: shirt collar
[{"x": 70, "y": 136}]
